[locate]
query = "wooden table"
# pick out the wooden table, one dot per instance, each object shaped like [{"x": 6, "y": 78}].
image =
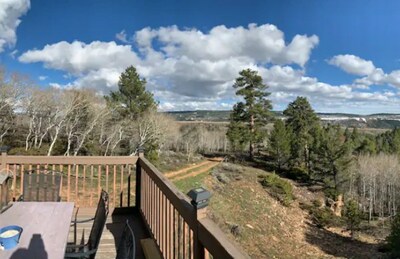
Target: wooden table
[{"x": 45, "y": 229}]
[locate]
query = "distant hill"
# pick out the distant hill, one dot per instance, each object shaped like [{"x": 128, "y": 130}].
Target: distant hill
[{"x": 378, "y": 120}]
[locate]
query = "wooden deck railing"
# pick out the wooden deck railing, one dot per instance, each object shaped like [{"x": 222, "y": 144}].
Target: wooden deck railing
[
  {"x": 82, "y": 177},
  {"x": 179, "y": 229}
]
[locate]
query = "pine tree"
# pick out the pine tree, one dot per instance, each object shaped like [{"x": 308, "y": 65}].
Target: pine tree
[
  {"x": 394, "y": 238},
  {"x": 302, "y": 120},
  {"x": 249, "y": 116},
  {"x": 279, "y": 144},
  {"x": 132, "y": 99},
  {"x": 333, "y": 159},
  {"x": 353, "y": 216}
]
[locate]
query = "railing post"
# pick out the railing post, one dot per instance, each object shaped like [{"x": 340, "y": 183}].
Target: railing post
[
  {"x": 138, "y": 178},
  {"x": 200, "y": 198}
]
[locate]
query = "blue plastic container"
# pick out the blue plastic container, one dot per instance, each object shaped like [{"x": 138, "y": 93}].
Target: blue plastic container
[{"x": 11, "y": 241}]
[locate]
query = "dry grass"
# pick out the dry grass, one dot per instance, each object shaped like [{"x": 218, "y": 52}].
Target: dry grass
[{"x": 265, "y": 228}]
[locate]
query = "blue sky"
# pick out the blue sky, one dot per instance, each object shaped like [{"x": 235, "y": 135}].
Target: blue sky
[{"x": 342, "y": 55}]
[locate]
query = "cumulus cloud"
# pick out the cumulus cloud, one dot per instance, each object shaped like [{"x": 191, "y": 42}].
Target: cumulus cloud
[
  {"x": 42, "y": 78},
  {"x": 264, "y": 43},
  {"x": 353, "y": 64},
  {"x": 10, "y": 13},
  {"x": 190, "y": 69},
  {"x": 95, "y": 65}
]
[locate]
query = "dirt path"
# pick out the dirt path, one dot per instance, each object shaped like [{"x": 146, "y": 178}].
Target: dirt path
[{"x": 194, "y": 170}]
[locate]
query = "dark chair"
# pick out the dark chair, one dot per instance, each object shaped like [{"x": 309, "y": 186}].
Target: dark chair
[
  {"x": 89, "y": 249},
  {"x": 126, "y": 247},
  {"x": 41, "y": 185},
  {"x": 5, "y": 179}
]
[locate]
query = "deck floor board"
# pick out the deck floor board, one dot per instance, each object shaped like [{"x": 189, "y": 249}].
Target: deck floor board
[{"x": 112, "y": 231}]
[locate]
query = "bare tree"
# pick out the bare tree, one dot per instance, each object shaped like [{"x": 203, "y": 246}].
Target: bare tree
[{"x": 10, "y": 99}]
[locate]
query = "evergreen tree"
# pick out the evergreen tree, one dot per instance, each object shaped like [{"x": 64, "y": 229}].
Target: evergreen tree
[
  {"x": 132, "y": 99},
  {"x": 395, "y": 141},
  {"x": 279, "y": 144},
  {"x": 302, "y": 120},
  {"x": 249, "y": 116},
  {"x": 353, "y": 216},
  {"x": 367, "y": 146},
  {"x": 394, "y": 238},
  {"x": 333, "y": 159},
  {"x": 347, "y": 135}
]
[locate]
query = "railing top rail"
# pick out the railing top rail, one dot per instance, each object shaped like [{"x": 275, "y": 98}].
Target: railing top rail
[
  {"x": 216, "y": 242},
  {"x": 180, "y": 201},
  {"x": 65, "y": 160}
]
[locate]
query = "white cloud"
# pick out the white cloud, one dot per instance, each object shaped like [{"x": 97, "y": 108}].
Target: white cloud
[
  {"x": 121, "y": 36},
  {"x": 264, "y": 43},
  {"x": 42, "y": 78},
  {"x": 78, "y": 58},
  {"x": 353, "y": 64},
  {"x": 190, "y": 69},
  {"x": 10, "y": 13}
]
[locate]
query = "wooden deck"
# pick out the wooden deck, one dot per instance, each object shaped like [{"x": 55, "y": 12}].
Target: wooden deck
[{"x": 112, "y": 231}]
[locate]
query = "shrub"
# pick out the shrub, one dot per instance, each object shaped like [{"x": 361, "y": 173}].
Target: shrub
[
  {"x": 321, "y": 216},
  {"x": 394, "y": 238},
  {"x": 324, "y": 217},
  {"x": 279, "y": 188}
]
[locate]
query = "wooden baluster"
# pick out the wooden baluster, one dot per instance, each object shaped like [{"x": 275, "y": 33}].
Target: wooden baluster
[
  {"x": 179, "y": 237},
  {"x": 61, "y": 167},
  {"x": 53, "y": 183},
  {"x": 69, "y": 182},
  {"x": 22, "y": 179},
  {"x": 114, "y": 186},
  {"x": 14, "y": 172},
  {"x": 183, "y": 238},
  {"x": 157, "y": 210},
  {"x": 152, "y": 205},
  {"x": 99, "y": 181},
  {"x": 107, "y": 179},
  {"x": 174, "y": 231},
  {"x": 37, "y": 182},
  {"x": 77, "y": 184},
  {"x": 84, "y": 185},
  {"x": 121, "y": 186},
  {"x": 29, "y": 195},
  {"x": 190, "y": 244},
  {"x": 170, "y": 230},
  {"x": 163, "y": 224},
  {"x": 128, "y": 182},
  {"x": 91, "y": 185}
]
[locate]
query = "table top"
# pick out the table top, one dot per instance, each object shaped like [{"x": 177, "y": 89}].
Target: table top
[{"x": 45, "y": 229}]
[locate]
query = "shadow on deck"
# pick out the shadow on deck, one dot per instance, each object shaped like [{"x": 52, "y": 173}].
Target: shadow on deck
[{"x": 113, "y": 230}]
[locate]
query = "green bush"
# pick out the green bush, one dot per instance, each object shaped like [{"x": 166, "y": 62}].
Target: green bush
[
  {"x": 394, "y": 238},
  {"x": 324, "y": 217},
  {"x": 279, "y": 188}
]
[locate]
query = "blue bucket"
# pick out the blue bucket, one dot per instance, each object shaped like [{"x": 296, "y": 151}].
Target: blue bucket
[{"x": 9, "y": 241}]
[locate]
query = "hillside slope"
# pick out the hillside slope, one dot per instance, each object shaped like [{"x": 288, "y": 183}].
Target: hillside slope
[{"x": 267, "y": 229}]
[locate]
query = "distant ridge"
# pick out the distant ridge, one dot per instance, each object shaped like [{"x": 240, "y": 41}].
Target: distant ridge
[{"x": 376, "y": 120}]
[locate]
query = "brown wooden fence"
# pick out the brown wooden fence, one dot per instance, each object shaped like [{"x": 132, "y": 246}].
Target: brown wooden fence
[
  {"x": 179, "y": 229},
  {"x": 82, "y": 177}
]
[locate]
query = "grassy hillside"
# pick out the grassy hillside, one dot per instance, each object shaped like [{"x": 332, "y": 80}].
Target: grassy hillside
[{"x": 253, "y": 216}]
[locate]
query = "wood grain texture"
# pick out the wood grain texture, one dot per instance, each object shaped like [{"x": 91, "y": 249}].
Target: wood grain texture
[{"x": 45, "y": 228}]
